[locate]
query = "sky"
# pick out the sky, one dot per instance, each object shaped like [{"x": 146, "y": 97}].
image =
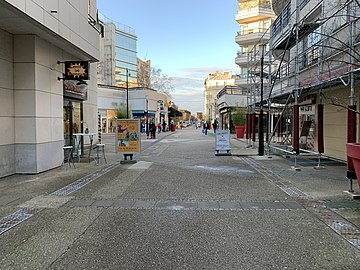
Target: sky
[{"x": 186, "y": 39}]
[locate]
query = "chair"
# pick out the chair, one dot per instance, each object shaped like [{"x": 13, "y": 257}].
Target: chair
[
  {"x": 100, "y": 147},
  {"x": 68, "y": 150}
]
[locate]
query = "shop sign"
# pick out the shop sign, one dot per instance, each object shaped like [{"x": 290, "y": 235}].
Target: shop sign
[
  {"x": 76, "y": 70},
  {"x": 127, "y": 135}
]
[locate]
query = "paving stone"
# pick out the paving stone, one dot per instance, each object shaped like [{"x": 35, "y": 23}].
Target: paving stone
[
  {"x": 123, "y": 203},
  {"x": 177, "y": 205},
  {"x": 293, "y": 205},
  {"x": 230, "y": 205},
  {"x": 4, "y": 200},
  {"x": 103, "y": 203},
  {"x": 81, "y": 203},
  {"x": 209, "y": 205},
  {"x": 251, "y": 205},
  {"x": 273, "y": 205},
  {"x": 144, "y": 204}
]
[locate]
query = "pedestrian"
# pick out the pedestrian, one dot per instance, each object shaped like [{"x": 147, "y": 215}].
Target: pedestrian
[
  {"x": 159, "y": 127},
  {"x": 164, "y": 126},
  {"x": 205, "y": 128},
  {"x": 152, "y": 129},
  {"x": 172, "y": 125},
  {"x": 214, "y": 126}
]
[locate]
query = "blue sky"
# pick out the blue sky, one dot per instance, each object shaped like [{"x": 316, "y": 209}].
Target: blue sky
[{"x": 185, "y": 39}]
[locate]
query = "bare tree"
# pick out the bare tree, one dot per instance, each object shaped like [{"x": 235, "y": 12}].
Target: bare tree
[{"x": 160, "y": 81}]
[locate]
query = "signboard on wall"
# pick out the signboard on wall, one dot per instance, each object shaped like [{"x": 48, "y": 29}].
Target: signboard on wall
[
  {"x": 76, "y": 70},
  {"x": 128, "y": 135}
]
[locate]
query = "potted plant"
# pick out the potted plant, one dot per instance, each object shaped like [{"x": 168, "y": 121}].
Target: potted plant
[
  {"x": 239, "y": 118},
  {"x": 353, "y": 156}
]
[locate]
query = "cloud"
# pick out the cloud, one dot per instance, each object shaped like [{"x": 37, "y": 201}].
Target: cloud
[{"x": 189, "y": 86}]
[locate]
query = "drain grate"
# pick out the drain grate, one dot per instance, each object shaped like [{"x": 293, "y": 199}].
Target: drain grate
[
  {"x": 15, "y": 218},
  {"x": 67, "y": 190}
]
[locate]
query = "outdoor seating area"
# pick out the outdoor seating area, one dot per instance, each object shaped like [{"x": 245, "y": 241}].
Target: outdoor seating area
[{"x": 83, "y": 150}]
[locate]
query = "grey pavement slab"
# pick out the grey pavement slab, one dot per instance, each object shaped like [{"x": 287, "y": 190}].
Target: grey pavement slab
[{"x": 215, "y": 239}]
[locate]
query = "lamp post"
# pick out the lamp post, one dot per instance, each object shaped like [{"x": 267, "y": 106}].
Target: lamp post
[
  {"x": 127, "y": 93},
  {"x": 261, "y": 116},
  {"x": 147, "y": 116}
]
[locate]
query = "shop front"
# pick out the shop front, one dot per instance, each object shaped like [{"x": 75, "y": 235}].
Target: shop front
[{"x": 74, "y": 96}]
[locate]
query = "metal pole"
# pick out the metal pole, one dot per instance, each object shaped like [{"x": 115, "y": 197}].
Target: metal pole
[
  {"x": 127, "y": 93},
  {"x": 261, "y": 116},
  {"x": 147, "y": 117}
]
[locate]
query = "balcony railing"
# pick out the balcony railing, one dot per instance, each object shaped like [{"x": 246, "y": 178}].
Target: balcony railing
[
  {"x": 231, "y": 90},
  {"x": 251, "y": 31}
]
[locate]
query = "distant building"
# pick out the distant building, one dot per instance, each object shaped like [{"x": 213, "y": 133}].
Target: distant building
[
  {"x": 144, "y": 73},
  {"x": 199, "y": 116},
  {"x": 118, "y": 50},
  {"x": 186, "y": 115},
  {"x": 213, "y": 84}
]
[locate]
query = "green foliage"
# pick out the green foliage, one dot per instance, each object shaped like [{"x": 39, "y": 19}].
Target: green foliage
[
  {"x": 238, "y": 116},
  {"x": 121, "y": 111}
]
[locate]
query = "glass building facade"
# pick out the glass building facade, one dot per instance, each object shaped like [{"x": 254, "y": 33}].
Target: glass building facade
[{"x": 125, "y": 58}]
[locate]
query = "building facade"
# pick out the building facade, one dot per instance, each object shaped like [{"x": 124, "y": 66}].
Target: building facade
[
  {"x": 36, "y": 38},
  {"x": 118, "y": 55},
  {"x": 317, "y": 44},
  {"x": 254, "y": 18},
  {"x": 213, "y": 84}
]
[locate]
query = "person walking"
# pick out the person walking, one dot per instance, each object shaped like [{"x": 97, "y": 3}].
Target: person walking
[
  {"x": 205, "y": 128},
  {"x": 164, "y": 126},
  {"x": 152, "y": 130},
  {"x": 159, "y": 127},
  {"x": 214, "y": 126}
]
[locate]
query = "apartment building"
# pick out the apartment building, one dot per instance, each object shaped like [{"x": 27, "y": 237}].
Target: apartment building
[
  {"x": 254, "y": 19},
  {"x": 36, "y": 39},
  {"x": 316, "y": 43},
  {"x": 213, "y": 84}
]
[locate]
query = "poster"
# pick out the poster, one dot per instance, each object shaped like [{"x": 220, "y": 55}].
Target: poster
[
  {"x": 128, "y": 135},
  {"x": 222, "y": 140}
]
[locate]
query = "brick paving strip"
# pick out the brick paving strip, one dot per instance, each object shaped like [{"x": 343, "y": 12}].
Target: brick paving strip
[
  {"x": 333, "y": 220},
  {"x": 188, "y": 205}
]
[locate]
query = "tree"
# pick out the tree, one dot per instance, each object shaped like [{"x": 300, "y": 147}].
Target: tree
[
  {"x": 120, "y": 111},
  {"x": 160, "y": 81}
]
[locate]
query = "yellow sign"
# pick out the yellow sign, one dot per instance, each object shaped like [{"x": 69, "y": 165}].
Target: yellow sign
[{"x": 128, "y": 135}]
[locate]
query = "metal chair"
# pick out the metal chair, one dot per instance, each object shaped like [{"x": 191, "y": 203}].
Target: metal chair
[
  {"x": 100, "y": 147},
  {"x": 68, "y": 150}
]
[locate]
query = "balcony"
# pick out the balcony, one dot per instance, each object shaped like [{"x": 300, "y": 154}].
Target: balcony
[
  {"x": 250, "y": 36},
  {"x": 242, "y": 59},
  {"x": 232, "y": 96},
  {"x": 252, "y": 11},
  {"x": 241, "y": 80}
]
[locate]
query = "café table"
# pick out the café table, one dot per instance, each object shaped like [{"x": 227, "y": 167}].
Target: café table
[{"x": 79, "y": 143}]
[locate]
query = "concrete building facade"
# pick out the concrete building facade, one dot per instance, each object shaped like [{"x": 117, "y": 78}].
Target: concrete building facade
[
  {"x": 317, "y": 79},
  {"x": 213, "y": 84},
  {"x": 35, "y": 38}
]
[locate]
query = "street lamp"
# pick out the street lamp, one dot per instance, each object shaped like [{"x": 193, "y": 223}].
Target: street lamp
[
  {"x": 261, "y": 116},
  {"x": 127, "y": 93},
  {"x": 147, "y": 116}
]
